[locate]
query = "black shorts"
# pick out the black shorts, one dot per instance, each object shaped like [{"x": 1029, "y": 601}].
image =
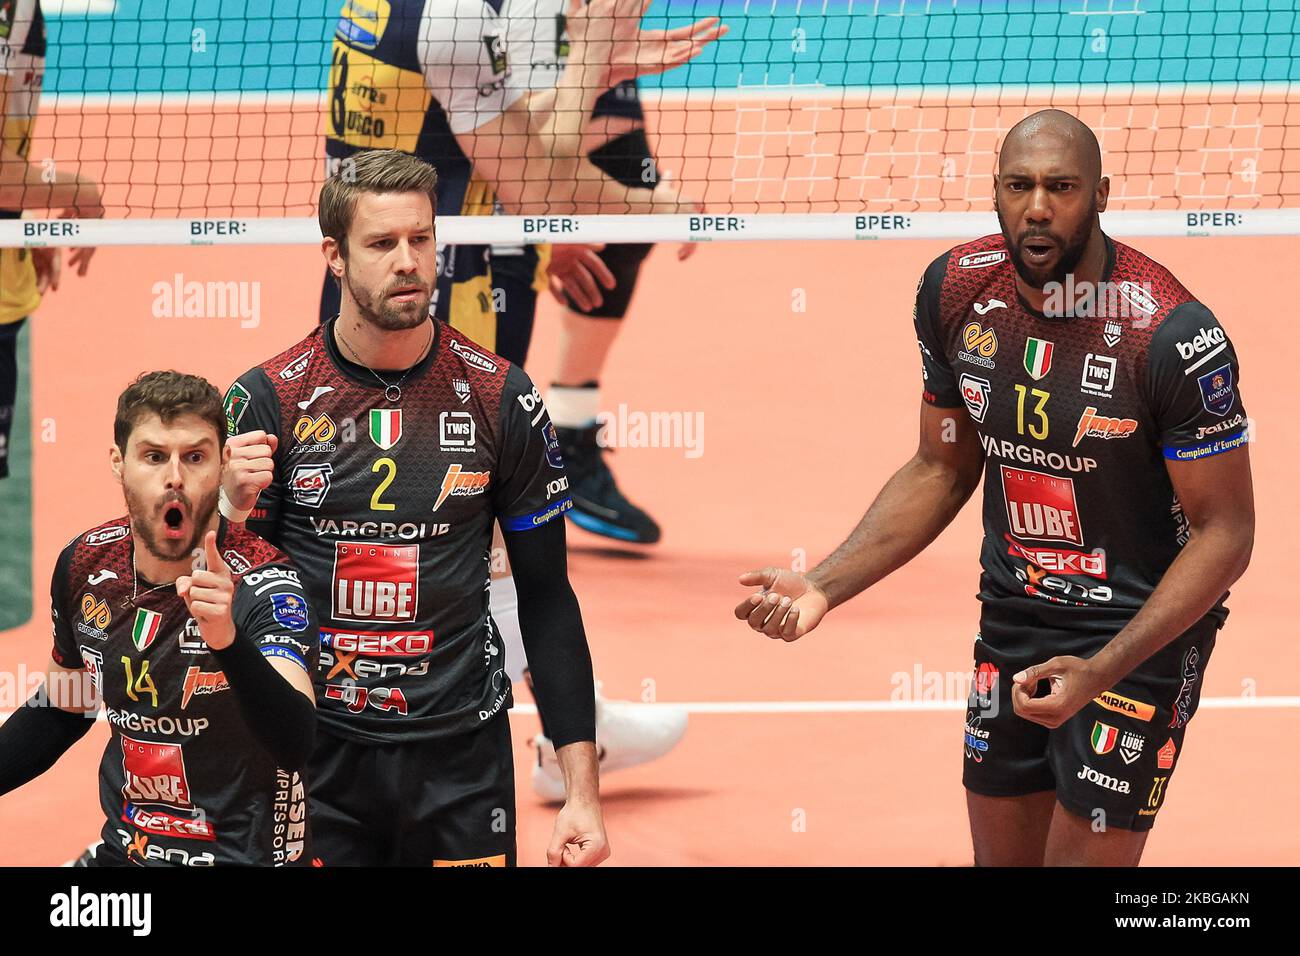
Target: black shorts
[
  {"x": 1111, "y": 762},
  {"x": 8, "y": 387},
  {"x": 444, "y": 802}
]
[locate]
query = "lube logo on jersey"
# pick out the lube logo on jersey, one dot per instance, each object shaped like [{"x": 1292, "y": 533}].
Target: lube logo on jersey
[
  {"x": 1059, "y": 560},
  {"x": 1100, "y": 426},
  {"x": 1203, "y": 341},
  {"x": 1041, "y": 507},
  {"x": 463, "y": 483},
  {"x": 461, "y": 388},
  {"x": 456, "y": 431},
  {"x": 375, "y": 582},
  {"x": 975, "y": 393},
  {"x": 154, "y": 773},
  {"x": 310, "y": 484}
]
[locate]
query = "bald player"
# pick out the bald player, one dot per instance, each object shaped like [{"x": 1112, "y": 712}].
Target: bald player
[{"x": 1101, "y": 402}]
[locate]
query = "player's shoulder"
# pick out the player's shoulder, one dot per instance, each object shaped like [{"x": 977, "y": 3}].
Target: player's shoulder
[
  {"x": 478, "y": 365},
  {"x": 249, "y": 557},
  {"x": 293, "y": 363},
  {"x": 1160, "y": 304},
  {"x": 102, "y": 552},
  {"x": 960, "y": 275},
  {"x": 108, "y": 537}
]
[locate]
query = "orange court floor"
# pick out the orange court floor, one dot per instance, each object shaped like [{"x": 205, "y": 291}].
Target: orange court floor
[{"x": 805, "y": 415}]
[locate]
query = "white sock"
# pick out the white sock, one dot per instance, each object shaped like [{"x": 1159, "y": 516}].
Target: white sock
[
  {"x": 503, "y": 602},
  {"x": 573, "y": 406}
]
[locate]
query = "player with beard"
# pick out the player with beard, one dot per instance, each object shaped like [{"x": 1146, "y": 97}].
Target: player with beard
[
  {"x": 380, "y": 451},
  {"x": 196, "y": 637},
  {"x": 1101, "y": 404}
]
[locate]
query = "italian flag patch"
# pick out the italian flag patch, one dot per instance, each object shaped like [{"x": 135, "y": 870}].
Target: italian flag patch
[
  {"x": 145, "y": 628},
  {"x": 1038, "y": 357},
  {"x": 385, "y": 426},
  {"x": 1103, "y": 738}
]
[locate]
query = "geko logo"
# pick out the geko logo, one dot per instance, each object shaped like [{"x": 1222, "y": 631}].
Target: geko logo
[{"x": 1203, "y": 341}]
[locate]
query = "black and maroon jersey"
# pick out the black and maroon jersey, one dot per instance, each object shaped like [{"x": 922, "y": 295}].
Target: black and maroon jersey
[
  {"x": 1077, "y": 416},
  {"x": 183, "y": 780},
  {"x": 387, "y": 507}
]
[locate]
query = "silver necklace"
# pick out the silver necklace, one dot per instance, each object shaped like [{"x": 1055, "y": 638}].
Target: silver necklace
[
  {"x": 392, "y": 391},
  {"x": 135, "y": 585}
]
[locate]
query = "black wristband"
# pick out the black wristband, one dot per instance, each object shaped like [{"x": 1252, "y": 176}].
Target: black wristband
[
  {"x": 281, "y": 718},
  {"x": 34, "y": 737}
]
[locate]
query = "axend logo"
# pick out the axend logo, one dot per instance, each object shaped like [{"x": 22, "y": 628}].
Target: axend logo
[{"x": 75, "y": 909}]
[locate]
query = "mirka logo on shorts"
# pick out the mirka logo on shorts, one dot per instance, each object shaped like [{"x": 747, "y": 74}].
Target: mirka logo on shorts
[
  {"x": 237, "y": 400},
  {"x": 375, "y": 582},
  {"x": 314, "y": 434},
  {"x": 1041, "y": 507},
  {"x": 975, "y": 393},
  {"x": 980, "y": 345},
  {"x": 462, "y": 483},
  {"x": 1124, "y": 705}
]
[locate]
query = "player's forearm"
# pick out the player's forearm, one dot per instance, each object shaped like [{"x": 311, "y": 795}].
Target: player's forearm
[
  {"x": 24, "y": 185},
  {"x": 1210, "y": 563},
  {"x": 34, "y": 737},
  {"x": 281, "y": 718},
  {"x": 581, "y": 770},
  {"x": 917, "y": 503}
]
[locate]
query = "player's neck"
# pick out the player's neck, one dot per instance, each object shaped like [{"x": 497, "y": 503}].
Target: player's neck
[
  {"x": 378, "y": 348},
  {"x": 149, "y": 567},
  {"x": 1087, "y": 274}
]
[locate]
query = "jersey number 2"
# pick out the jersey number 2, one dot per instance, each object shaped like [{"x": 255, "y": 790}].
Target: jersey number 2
[{"x": 390, "y": 466}]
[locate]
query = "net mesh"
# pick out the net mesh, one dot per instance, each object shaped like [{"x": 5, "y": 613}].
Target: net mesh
[{"x": 218, "y": 109}]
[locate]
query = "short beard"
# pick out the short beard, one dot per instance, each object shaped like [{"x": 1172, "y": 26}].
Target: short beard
[
  {"x": 384, "y": 316},
  {"x": 1071, "y": 253},
  {"x": 142, "y": 526}
]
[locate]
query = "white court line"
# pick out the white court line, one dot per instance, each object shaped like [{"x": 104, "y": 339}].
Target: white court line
[{"x": 875, "y": 706}]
